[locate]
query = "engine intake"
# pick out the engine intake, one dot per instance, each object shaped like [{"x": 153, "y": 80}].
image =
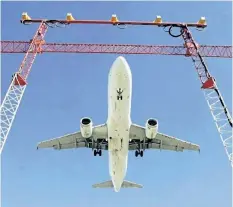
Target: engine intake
[
  {"x": 151, "y": 128},
  {"x": 86, "y": 127}
]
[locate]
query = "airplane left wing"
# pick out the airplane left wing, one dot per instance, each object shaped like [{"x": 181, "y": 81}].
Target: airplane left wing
[
  {"x": 161, "y": 141},
  {"x": 75, "y": 140}
]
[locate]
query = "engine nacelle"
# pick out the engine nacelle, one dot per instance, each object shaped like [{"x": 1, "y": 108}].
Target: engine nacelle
[
  {"x": 86, "y": 127},
  {"x": 151, "y": 128}
]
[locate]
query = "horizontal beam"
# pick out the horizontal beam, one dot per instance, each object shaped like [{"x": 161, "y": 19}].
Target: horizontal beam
[
  {"x": 108, "y": 22},
  {"x": 205, "y": 50}
]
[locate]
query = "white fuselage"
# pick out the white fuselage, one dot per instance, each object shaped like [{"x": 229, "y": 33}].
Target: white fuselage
[{"x": 119, "y": 119}]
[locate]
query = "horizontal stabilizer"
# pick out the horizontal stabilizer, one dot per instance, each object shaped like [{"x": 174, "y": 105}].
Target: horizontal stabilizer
[
  {"x": 106, "y": 184},
  {"x": 128, "y": 184},
  {"x": 109, "y": 184}
]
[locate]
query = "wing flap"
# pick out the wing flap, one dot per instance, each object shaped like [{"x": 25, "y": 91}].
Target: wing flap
[
  {"x": 153, "y": 145},
  {"x": 66, "y": 141},
  {"x": 173, "y": 142},
  {"x": 161, "y": 141},
  {"x": 74, "y": 140}
]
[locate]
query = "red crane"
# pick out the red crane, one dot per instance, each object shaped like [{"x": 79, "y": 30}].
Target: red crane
[
  {"x": 42, "y": 47},
  {"x": 191, "y": 49}
]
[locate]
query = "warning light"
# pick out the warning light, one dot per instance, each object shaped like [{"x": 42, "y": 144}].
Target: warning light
[
  {"x": 114, "y": 18},
  {"x": 25, "y": 16},
  {"x": 69, "y": 17},
  {"x": 158, "y": 19},
  {"x": 202, "y": 21}
]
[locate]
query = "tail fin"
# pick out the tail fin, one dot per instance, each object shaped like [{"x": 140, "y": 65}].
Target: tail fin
[{"x": 109, "y": 184}]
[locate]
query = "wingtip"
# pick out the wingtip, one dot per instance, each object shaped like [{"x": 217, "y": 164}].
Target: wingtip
[{"x": 38, "y": 146}]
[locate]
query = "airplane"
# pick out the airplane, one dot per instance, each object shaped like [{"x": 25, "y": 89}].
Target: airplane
[{"x": 118, "y": 135}]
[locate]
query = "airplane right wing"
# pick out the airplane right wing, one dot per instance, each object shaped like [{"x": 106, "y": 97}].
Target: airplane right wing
[{"x": 161, "y": 141}]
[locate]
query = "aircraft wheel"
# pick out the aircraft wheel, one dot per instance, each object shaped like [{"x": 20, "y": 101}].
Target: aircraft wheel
[
  {"x": 95, "y": 152},
  {"x": 141, "y": 153},
  {"x": 136, "y": 153},
  {"x": 100, "y": 152}
]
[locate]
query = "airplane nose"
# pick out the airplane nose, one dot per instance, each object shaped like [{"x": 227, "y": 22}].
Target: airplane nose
[
  {"x": 121, "y": 59},
  {"x": 120, "y": 65},
  {"x": 120, "y": 62}
]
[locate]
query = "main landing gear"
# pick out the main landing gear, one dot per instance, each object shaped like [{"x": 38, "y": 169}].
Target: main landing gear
[
  {"x": 99, "y": 152},
  {"x": 139, "y": 152}
]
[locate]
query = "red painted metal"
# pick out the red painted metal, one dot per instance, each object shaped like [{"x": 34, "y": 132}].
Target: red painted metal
[
  {"x": 31, "y": 52},
  {"x": 109, "y": 22},
  {"x": 200, "y": 65},
  {"x": 209, "y": 84},
  {"x": 19, "y": 81},
  {"x": 187, "y": 50},
  {"x": 207, "y": 81}
]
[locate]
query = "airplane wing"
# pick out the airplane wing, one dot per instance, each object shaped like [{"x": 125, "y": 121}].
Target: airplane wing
[
  {"x": 161, "y": 141},
  {"x": 75, "y": 140}
]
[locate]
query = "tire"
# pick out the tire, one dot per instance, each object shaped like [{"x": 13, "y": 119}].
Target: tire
[{"x": 141, "y": 153}]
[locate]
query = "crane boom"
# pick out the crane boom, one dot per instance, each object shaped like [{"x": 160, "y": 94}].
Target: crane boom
[
  {"x": 218, "y": 108},
  {"x": 206, "y": 50},
  {"x": 17, "y": 87}
]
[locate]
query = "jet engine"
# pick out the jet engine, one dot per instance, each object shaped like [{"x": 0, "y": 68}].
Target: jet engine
[
  {"x": 86, "y": 127},
  {"x": 151, "y": 128}
]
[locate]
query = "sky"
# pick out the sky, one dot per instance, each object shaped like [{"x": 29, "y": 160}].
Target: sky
[{"x": 62, "y": 88}]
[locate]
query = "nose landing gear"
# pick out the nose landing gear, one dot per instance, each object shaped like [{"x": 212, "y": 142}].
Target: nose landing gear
[
  {"x": 99, "y": 152},
  {"x": 139, "y": 152}
]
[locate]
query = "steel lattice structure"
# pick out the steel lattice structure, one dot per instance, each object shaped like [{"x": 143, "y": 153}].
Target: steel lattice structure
[
  {"x": 218, "y": 108},
  {"x": 17, "y": 87},
  {"x": 206, "y": 50},
  {"x": 191, "y": 49}
]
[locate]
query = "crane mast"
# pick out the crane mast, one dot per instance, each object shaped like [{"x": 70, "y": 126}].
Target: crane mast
[
  {"x": 218, "y": 108},
  {"x": 18, "y": 85}
]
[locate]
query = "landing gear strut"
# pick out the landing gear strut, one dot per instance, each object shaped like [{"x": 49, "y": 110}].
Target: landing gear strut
[
  {"x": 139, "y": 152},
  {"x": 99, "y": 152}
]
